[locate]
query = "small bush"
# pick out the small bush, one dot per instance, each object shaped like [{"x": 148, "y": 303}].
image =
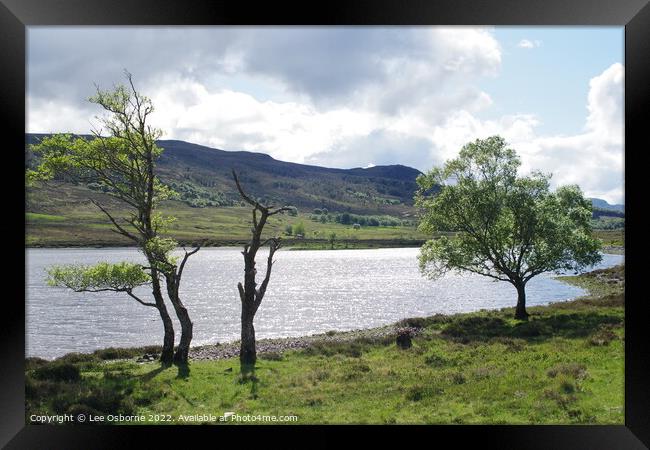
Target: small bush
[
  {"x": 512, "y": 344},
  {"x": 116, "y": 353},
  {"x": 563, "y": 401},
  {"x": 419, "y": 392},
  {"x": 603, "y": 336},
  {"x": 75, "y": 358},
  {"x": 58, "y": 372},
  {"x": 413, "y": 322},
  {"x": 416, "y": 393},
  {"x": 532, "y": 329},
  {"x": 567, "y": 387},
  {"x": 436, "y": 360},
  {"x": 405, "y": 336},
  {"x": 34, "y": 363},
  {"x": 355, "y": 371},
  {"x": 271, "y": 356},
  {"x": 476, "y": 327},
  {"x": 320, "y": 374},
  {"x": 86, "y": 410},
  {"x": 458, "y": 378},
  {"x": 574, "y": 370},
  {"x": 105, "y": 399},
  {"x": 481, "y": 373},
  {"x": 314, "y": 402}
]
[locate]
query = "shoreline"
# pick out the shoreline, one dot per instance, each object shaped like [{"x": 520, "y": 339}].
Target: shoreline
[
  {"x": 272, "y": 347},
  {"x": 287, "y": 243},
  {"x": 353, "y": 245}
]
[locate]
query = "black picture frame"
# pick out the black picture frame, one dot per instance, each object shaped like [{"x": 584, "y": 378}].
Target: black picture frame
[{"x": 16, "y": 15}]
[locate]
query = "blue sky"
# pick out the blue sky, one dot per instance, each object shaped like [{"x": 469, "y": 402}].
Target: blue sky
[
  {"x": 355, "y": 96},
  {"x": 552, "y": 79}
]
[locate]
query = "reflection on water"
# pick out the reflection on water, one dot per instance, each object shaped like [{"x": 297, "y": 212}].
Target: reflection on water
[{"x": 310, "y": 291}]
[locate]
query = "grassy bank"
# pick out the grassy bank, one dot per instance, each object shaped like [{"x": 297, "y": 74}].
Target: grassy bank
[
  {"x": 83, "y": 225},
  {"x": 564, "y": 366},
  {"x": 67, "y": 218}
]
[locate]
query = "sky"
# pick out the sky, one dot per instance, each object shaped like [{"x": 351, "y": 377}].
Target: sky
[{"x": 354, "y": 96}]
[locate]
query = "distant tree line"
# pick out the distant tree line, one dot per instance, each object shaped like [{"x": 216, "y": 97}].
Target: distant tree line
[{"x": 323, "y": 216}]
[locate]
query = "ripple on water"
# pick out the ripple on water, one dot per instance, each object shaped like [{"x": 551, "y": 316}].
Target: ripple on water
[{"x": 310, "y": 292}]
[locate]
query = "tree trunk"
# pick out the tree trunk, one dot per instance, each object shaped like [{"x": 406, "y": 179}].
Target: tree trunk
[
  {"x": 167, "y": 354},
  {"x": 183, "y": 351},
  {"x": 520, "y": 311},
  {"x": 247, "y": 352}
]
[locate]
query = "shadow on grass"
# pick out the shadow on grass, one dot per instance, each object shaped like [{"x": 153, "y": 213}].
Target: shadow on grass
[
  {"x": 58, "y": 387},
  {"x": 247, "y": 375},
  {"x": 151, "y": 374},
  {"x": 574, "y": 325},
  {"x": 183, "y": 371}
]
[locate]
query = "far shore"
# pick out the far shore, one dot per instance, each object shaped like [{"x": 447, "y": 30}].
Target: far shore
[{"x": 287, "y": 244}]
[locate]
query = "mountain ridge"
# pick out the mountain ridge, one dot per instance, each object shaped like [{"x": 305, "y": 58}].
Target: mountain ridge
[{"x": 203, "y": 177}]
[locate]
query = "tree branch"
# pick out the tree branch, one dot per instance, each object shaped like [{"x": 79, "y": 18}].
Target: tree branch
[{"x": 120, "y": 229}]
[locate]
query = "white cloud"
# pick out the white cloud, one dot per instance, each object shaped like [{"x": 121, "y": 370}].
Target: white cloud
[
  {"x": 525, "y": 43},
  {"x": 337, "y": 97},
  {"x": 592, "y": 159}
]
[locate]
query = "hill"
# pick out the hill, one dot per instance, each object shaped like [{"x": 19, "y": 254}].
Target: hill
[
  {"x": 202, "y": 176},
  {"x": 602, "y": 205}
]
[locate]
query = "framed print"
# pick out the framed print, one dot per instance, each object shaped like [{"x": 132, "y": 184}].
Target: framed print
[{"x": 398, "y": 218}]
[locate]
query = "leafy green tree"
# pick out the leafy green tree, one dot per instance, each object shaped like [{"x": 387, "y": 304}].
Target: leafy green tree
[
  {"x": 121, "y": 157},
  {"x": 299, "y": 228},
  {"x": 288, "y": 230},
  {"x": 508, "y": 228}
]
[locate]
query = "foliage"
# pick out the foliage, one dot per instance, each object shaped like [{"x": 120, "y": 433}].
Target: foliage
[
  {"x": 121, "y": 163},
  {"x": 198, "y": 197},
  {"x": 104, "y": 276},
  {"x": 509, "y": 228},
  {"x": 608, "y": 223},
  {"x": 299, "y": 228}
]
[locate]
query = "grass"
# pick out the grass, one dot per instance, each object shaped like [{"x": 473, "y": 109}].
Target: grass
[
  {"x": 564, "y": 366},
  {"x": 73, "y": 222},
  {"x": 63, "y": 216}
]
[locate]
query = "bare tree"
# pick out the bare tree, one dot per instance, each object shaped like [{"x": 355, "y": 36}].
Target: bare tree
[{"x": 250, "y": 295}]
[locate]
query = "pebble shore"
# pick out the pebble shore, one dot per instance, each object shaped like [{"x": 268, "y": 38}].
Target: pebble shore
[{"x": 280, "y": 345}]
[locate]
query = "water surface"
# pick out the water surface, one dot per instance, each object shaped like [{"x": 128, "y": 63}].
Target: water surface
[{"x": 310, "y": 291}]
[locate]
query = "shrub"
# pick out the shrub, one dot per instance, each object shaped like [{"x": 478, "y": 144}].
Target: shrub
[
  {"x": 532, "y": 329},
  {"x": 476, "y": 326},
  {"x": 413, "y": 322},
  {"x": 435, "y": 359},
  {"x": 458, "y": 378},
  {"x": 419, "y": 392},
  {"x": 603, "y": 336},
  {"x": 574, "y": 370},
  {"x": 271, "y": 356},
  {"x": 34, "y": 363},
  {"x": 76, "y": 358},
  {"x": 58, "y": 372},
  {"x": 116, "y": 353},
  {"x": 404, "y": 337}
]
